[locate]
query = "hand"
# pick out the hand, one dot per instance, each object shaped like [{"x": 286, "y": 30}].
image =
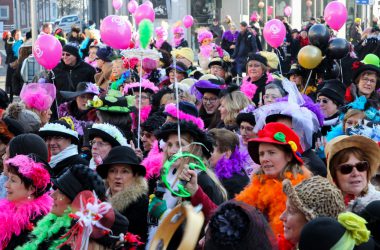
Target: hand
[
  {"x": 138, "y": 151},
  {"x": 190, "y": 176},
  {"x": 232, "y": 46}
]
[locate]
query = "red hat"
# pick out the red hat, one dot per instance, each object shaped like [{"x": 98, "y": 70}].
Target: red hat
[{"x": 276, "y": 133}]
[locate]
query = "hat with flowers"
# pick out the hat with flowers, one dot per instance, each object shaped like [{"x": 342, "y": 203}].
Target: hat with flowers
[{"x": 276, "y": 133}]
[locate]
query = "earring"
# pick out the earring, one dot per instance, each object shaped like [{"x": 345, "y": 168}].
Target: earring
[{"x": 29, "y": 197}]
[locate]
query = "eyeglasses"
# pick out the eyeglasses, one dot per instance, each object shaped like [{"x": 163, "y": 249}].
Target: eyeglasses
[
  {"x": 66, "y": 54},
  {"x": 248, "y": 128},
  {"x": 325, "y": 101},
  {"x": 56, "y": 138},
  {"x": 99, "y": 143},
  {"x": 216, "y": 68},
  {"x": 209, "y": 100},
  {"x": 365, "y": 79},
  {"x": 361, "y": 166},
  {"x": 267, "y": 96}
]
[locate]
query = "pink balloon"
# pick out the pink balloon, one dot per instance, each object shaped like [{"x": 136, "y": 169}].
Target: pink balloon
[
  {"x": 115, "y": 32},
  {"x": 335, "y": 15},
  {"x": 117, "y": 4},
  {"x": 274, "y": 33},
  {"x": 132, "y": 6},
  {"x": 255, "y": 16},
  {"x": 188, "y": 21},
  {"x": 48, "y": 51},
  {"x": 269, "y": 10},
  {"x": 149, "y": 3},
  {"x": 144, "y": 11},
  {"x": 288, "y": 11}
]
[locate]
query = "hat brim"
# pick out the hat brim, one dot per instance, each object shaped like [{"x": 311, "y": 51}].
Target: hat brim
[
  {"x": 115, "y": 109},
  {"x": 209, "y": 90},
  {"x": 372, "y": 150},
  {"x": 94, "y": 132},
  {"x": 47, "y": 133},
  {"x": 71, "y": 95},
  {"x": 253, "y": 148},
  {"x": 102, "y": 169},
  {"x": 367, "y": 67}
]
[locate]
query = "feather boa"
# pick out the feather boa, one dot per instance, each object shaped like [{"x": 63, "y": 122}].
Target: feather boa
[
  {"x": 48, "y": 227},
  {"x": 159, "y": 42},
  {"x": 226, "y": 167},
  {"x": 206, "y": 50},
  {"x": 16, "y": 217},
  {"x": 171, "y": 109},
  {"x": 265, "y": 194},
  {"x": 145, "y": 111},
  {"x": 92, "y": 63},
  {"x": 335, "y": 132},
  {"x": 153, "y": 162},
  {"x": 248, "y": 88}
]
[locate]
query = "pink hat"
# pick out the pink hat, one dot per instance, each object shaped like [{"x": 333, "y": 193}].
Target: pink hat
[
  {"x": 178, "y": 30},
  {"x": 146, "y": 86},
  {"x": 162, "y": 32},
  {"x": 39, "y": 96},
  {"x": 204, "y": 34}
]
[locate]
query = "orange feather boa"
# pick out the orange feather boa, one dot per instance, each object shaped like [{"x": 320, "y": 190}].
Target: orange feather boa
[{"x": 265, "y": 193}]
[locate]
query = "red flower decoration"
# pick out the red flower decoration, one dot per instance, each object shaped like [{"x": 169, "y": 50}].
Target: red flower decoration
[
  {"x": 356, "y": 65},
  {"x": 30, "y": 226}
]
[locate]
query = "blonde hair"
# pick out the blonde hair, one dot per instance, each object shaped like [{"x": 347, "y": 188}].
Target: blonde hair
[
  {"x": 350, "y": 113},
  {"x": 234, "y": 102}
]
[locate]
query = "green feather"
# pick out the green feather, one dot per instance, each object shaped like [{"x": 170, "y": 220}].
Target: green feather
[{"x": 145, "y": 32}]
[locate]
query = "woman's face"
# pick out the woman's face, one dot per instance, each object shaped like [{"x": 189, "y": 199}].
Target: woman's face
[
  {"x": 61, "y": 202},
  {"x": 172, "y": 145},
  {"x": 353, "y": 121},
  {"x": 119, "y": 177},
  {"x": 246, "y": 132},
  {"x": 254, "y": 70},
  {"x": 82, "y": 101},
  {"x": 147, "y": 139},
  {"x": 354, "y": 182},
  {"x": 215, "y": 157},
  {"x": 223, "y": 109},
  {"x": 272, "y": 159},
  {"x": 218, "y": 71},
  {"x": 180, "y": 76},
  {"x": 92, "y": 53},
  {"x": 17, "y": 35},
  {"x": 57, "y": 144},
  {"x": 296, "y": 79},
  {"x": 367, "y": 84},
  {"x": 100, "y": 148},
  {"x": 145, "y": 99},
  {"x": 210, "y": 102},
  {"x": 293, "y": 221},
  {"x": 45, "y": 116},
  {"x": 271, "y": 95},
  {"x": 16, "y": 190},
  {"x": 328, "y": 107},
  {"x": 117, "y": 69}
]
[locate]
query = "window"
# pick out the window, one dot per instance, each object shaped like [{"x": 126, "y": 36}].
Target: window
[{"x": 4, "y": 12}]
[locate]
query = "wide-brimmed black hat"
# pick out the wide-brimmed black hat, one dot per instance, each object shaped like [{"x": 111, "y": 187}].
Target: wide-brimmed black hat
[
  {"x": 108, "y": 133},
  {"x": 333, "y": 89},
  {"x": 82, "y": 88},
  {"x": 198, "y": 135},
  {"x": 257, "y": 57},
  {"x": 294, "y": 70},
  {"x": 78, "y": 178},
  {"x": 121, "y": 155},
  {"x": 59, "y": 128},
  {"x": 206, "y": 86}
]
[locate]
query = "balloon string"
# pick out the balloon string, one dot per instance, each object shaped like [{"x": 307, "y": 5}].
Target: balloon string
[
  {"x": 52, "y": 79},
  {"x": 308, "y": 81},
  {"x": 177, "y": 102},
  {"x": 279, "y": 57},
  {"x": 139, "y": 117}
]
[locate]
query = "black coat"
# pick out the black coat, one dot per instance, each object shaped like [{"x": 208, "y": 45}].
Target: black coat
[
  {"x": 210, "y": 188},
  {"x": 182, "y": 44},
  {"x": 235, "y": 184},
  {"x": 245, "y": 43},
  {"x": 64, "y": 164},
  {"x": 315, "y": 164}
]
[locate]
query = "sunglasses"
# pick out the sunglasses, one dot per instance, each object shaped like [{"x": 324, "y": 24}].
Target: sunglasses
[
  {"x": 361, "y": 166},
  {"x": 325, "y": 101},
  {"x": 66, "y": 54}
]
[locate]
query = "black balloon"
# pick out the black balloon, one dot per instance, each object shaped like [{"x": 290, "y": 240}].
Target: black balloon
[
  {"x": 319, "y": 36},
  {"x": 337, "y": 48}
]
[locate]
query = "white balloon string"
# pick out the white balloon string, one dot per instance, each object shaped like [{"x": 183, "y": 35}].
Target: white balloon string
[
  {"x": 279, "y": 59},
  {"x": 177, "y": 102},
  {"x": 52, "y": 79},
  {"x": 308, "y": 81},
  {"x": 139, "y": 117}
]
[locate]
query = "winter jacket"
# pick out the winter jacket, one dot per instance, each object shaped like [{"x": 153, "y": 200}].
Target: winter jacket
[
  {"x": 61, "y": 166},
  {"x": 245, "y": 43}
]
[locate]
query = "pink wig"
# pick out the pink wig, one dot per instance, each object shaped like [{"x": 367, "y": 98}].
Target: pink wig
[
  {"x": 171, "y": 109},
  {"x": 146, "y": 85},
  {"x": 39, "y": 96},
  {"x": 161, "y": 32},
  {"x": 204, "y": 34},
  {"x": 178, "y": 30},
  {"x": 149, "y": 65},
  {"x": 31, "y": 170}
]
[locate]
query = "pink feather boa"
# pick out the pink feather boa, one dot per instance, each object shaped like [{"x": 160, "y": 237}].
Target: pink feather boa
[
  {"x": 159, "y": 42},
  {"x": 145, "y": 111},
  {"x": 94, "y": 64},
  {"x": 171, "y": 109},
  {"x": 248, "y": 88},
  {"x": 16, "y": 216},
  {"x": 153, "y": 162},
  {"x": 206, "y": 50}
]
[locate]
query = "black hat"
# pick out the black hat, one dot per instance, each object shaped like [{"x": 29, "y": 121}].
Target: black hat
[
  {"x": 153, "y": 123},
  {"x": 105, "y": 54},
  {"x": 81, "y": 89},
  {"x": 10, "y": 128},
  {"x": 4, "y": 100},
  {"x": 79, "y": 178},
  {"x": 295, "y": 31},
  {"x": 188, "y": 108},
  {"x": 324, "y": 233},
  {"x": 186, "y": 127},
  {"x": 108, "y": 133},
  {"x": 219, "y": 61},
  {"x": 360, "y": 67},
  {"x": 257, "y": 57},
  {"x": 180, "y": 68},
  {"x": 156, "y": 98},
  {"x": 59, "y": 128},
  {"x": 121, "y": 155},
  {"x": 26, "y": 144},
  {"x": 246, "y": 117},
  {"x": 294, "y": 70},
  {"x": 243, "y": 23},
  {"x": 371, "y": 213},
  {"x": 73, "y": 50},
  {"x": 333, "y": 89}
]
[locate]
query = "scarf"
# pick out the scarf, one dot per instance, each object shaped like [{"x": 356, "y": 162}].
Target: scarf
[
  {"x": 47, "y": 228},
  {"x": 206, "y": 50},
  {"x": 16, "y": 216},
  {"x": 265, "y": 194},
  {"x": 66, "y": 153}
]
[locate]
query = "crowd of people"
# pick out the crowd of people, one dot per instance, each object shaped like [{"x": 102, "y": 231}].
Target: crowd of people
[{"x": 98, "y": 152}]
